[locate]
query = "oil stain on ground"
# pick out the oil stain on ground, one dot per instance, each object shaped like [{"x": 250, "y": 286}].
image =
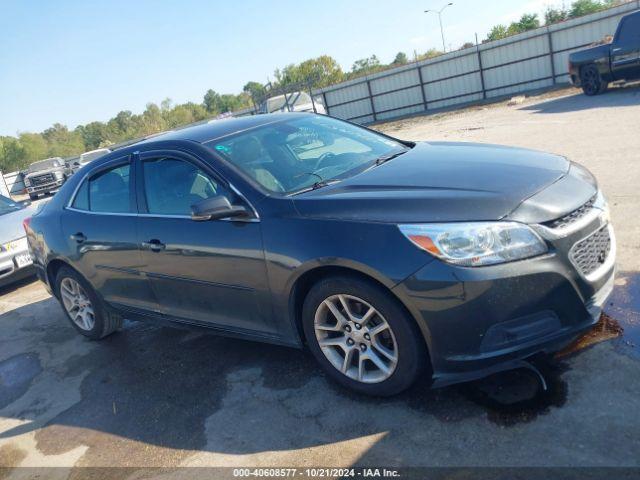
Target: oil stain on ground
[
  {"x": 517, "y": 396},
  {"x": 624, "y": 307},
  {"x": 16, "y": 375}
]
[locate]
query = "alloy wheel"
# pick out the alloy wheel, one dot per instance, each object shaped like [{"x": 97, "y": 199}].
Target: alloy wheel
[
  {"x": 591, "y": 81},
  {"x": 77, "y": 304},
  {"x": 356, "y": 338}
]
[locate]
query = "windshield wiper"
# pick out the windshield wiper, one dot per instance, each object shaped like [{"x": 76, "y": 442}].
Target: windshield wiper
[
  {"x": 319, "y": 184},
  {"x": 389, "y": 156}
]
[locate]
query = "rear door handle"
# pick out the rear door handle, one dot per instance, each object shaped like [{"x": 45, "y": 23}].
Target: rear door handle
[
  {"x": 154, "y": 245},
  {"x": 78, "y": 237}
]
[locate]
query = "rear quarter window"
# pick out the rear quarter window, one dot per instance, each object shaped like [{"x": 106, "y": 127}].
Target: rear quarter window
[{"x": 106, "y": 192}]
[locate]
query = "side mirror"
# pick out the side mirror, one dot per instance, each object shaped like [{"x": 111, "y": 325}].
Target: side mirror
[{"x": 216, "y": 208}]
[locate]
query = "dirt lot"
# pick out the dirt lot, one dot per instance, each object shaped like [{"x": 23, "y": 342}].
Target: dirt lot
[{"x": 159, "y": 397}]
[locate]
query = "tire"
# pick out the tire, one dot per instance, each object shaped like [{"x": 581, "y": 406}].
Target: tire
[
  {"x": 401, "y": 336},
  {"x": 592, "y": 82},
  {"x": 104, "y": 323}
]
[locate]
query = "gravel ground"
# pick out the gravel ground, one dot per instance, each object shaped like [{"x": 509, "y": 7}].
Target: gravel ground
[{"x": 157, "y": 397}]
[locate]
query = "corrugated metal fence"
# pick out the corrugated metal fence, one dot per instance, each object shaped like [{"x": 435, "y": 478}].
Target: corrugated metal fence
[
  {"x": 13, "y": 182},
  {"x": 532, "y": 60},
  {"x": 4, "y": 190}
]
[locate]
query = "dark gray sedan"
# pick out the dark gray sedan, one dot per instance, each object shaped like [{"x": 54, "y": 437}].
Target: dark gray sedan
[{"x": 385, "y": 257}]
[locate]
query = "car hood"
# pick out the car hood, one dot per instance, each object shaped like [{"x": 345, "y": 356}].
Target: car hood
[
  {"x": 11, "y": 224},
  {"x": 440, "y": 182},
  {"x": 43, "y": 172}
]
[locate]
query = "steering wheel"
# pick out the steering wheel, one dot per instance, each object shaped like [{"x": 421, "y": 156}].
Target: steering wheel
[{"x": 325, "y": 156}]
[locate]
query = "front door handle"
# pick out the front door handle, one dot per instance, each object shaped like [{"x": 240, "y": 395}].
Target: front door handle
[
  {"x": 78, "y": 237},
  {"x": 154, "y": 245}
]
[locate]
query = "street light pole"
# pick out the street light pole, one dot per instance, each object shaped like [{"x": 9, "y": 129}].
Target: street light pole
[{"x": 439, "y": 12}]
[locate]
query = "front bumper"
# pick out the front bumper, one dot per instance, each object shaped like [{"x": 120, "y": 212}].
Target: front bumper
[
  {"x": 11, "y": 268},
  {"x": 478, "y": 321}
]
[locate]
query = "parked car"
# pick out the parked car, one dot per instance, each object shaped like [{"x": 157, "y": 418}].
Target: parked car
[
  {"x": 15, "y": 261},
  {"x": 292, "y": 102},
  {"x": 384, "y": 257},
  {"x": 593, "y": 69},
  {"x": 87, "y": 158},
  {"x": 45, "y": 176}
]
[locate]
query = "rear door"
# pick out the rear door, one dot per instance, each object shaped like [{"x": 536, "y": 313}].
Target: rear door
[
  {"x": 100, "y": 226},
  {"x": 625, "y": 51},
  {"x": 204, "y": 272}
]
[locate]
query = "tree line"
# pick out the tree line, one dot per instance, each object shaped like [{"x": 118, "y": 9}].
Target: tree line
[
  {"x": 16, "y": 153},
  {"x": 530, "y": 21}
]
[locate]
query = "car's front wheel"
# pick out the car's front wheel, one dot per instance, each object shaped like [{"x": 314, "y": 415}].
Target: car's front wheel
[
  {"x": 362, "y": 337},
  {"x": 83, "y": 307}
]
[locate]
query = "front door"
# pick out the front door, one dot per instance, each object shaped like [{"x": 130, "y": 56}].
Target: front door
[{"x": 206, "y": 272}]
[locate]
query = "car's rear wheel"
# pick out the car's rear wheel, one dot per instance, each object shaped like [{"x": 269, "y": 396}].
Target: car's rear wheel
[
  {"x": 592, "y": 82},
  {"x": 82, "y": 306},
  {"x": 362, "y": 337}
]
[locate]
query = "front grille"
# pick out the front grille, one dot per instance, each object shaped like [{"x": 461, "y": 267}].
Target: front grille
[
  {"x": 42, "y": 179},
  {"x": 592, "y": 252},
  {"x": 577, "y": 214}
]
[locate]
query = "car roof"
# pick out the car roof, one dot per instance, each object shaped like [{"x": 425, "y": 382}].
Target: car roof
[{"x": 215, "y": 129}]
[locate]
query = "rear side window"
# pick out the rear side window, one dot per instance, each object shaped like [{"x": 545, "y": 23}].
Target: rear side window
[
  {"x": 172, "y": 186},
  {"x": 630, "y": 31},
  {"x": 106, "y": 192}
]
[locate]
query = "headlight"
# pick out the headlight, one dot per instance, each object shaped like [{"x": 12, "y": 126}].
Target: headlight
[
  {"x": 58, "y": 175},
  {"x": 27, "y": 182},
  {"x": 476, "y": 244}
]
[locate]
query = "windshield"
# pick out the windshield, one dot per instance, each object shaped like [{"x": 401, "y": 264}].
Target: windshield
[
  {"x": 296, "y": 154},
  {"x": 45, "y": 164},
  {"x": 7, "y": 205}
]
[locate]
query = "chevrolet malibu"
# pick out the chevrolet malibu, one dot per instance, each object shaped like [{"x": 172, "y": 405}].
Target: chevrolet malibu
[{"x": 386, "y": 258}]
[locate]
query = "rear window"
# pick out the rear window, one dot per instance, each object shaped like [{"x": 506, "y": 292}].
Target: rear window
[{"x": 630, "y": 30}]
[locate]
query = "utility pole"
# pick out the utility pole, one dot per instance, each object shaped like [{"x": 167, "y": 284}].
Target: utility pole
[{"x": 439, "y": 12}]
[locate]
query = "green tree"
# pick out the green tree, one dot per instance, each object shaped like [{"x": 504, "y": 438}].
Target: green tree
[
  {"x": 34, "y": 146},
  {"x": 255, "y": 90},
  {"x": 554, "y": 15},
  {"x": 61, "y": 142},
  {"x": 585, "y": 7},
  {"x": 211, "y": 101},
  {"x": 198, "y": 112},
  {"x": 320, "y": 72},
  {"x": 94, "y": 135},
  {"x": 497, "y": 32},
  {"x": 431, "y": 53},
  {"x": 400, "y": 59},
  {"x": 122, "y": 126},
  {"x": 12, "y": 155},
  {"x": 366, "y": 65},
  {"x": 151, "y": 121},
  {"x": 528, "y": 21}
]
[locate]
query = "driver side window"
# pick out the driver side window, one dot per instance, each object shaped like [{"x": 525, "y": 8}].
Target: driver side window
[{"x": 172, "y": 186}]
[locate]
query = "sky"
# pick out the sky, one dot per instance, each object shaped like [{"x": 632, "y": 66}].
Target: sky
[{"x": 76, "y": 61}]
